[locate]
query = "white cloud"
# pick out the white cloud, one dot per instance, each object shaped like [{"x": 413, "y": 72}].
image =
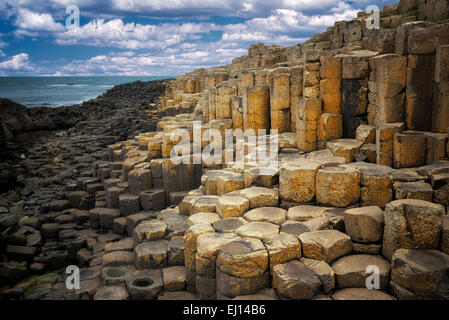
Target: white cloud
[
  {"x": 116, "y": 33},
  {"x": 173, "y": 61},
  {"x": 31, "y": 21},
  {"x": 2, "y": 54},
  {"x": 173, "y": 46},
  {"x": 210, "y": 7},
  {"x": 173, "y": 8},
  {"x": 283, "y": 26},
  {"x": 17, "y": 62}
]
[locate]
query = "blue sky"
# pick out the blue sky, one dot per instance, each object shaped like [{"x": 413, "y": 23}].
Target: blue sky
[{"x": 153, "y": 37}]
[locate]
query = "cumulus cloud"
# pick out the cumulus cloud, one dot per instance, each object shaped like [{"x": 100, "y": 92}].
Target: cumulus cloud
[
  {"x": 31, "y": 21},
  {"x": 283, "y": 26},
  {"x": 116, "y": 33},
  {"x": 17, "y": 62},
  {"x": 176, "y": 8},
  {"x": 2, "y": 54},
  {"x": 173, "y": 61},
  {"x": 182, "y": 34}
]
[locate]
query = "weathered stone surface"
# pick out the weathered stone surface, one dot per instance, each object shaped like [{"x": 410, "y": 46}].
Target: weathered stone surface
[
  {"x": 111, "y": 293},
  {"x": 323, "y": 271},
  {"x": 389, "y": 71},
  {"x": 355, "y": 64},
  {"x": 133, "y": 221},
  {"x": 352, "y": 271},
  {"x": 232, "y": 206},
  {"x": 345, "y": 148},
  {"x": 209, "y": 244},
  {"x": 435, "y": 147},
  {"x": 204, "y": 204},
  {"x": 190, "y": 239},
  {"x": 256, "y": 104},
  {"x": 202, "y": 217},
  {"x": 229, "y": 182},
  {"x": 385, "y": 142},
  {"x": 411, "y": 224},
  {"x": 295, "y": 281},
  {"x": 326, "y": 245},
  {"x": 282, "y": 248},
  {"x": 267, "y": 214},
  {"x": 145, "y": 285},
  {"x": 149, "y": 231},
  {"x": 413, "y": 190},
  {"x": 126, "y": 244},
  {"x": 116, "y": 275},
  {"x": 107, "y": 216},
  {"x": 338, "y": 186},
  {"x": 118, "y": 258},
  {"x": 361, "y": 294},
  {"x": 261, "y": 177},
  {"x": 440, "y": 115},
  {"x": 243, "y": 258},
  {"x": 151, "y": 255},
  {"x": 230, "y": 286},
  {"x": 178, "y": 295},
  {"x": 368, "y": 152},
  {"x": 139, "y": 180},
  {"x": 409, "y": 149},
  {"x": 419, "y": 92},
  {"x": 152, "y": 200},
  {"x": 186, "y": 205},
  {"x": 258, "y": 230},
  {"x": 366, "y": 133},
  {"x": 21, "y": 253},
  {"x": 421, "y": 272},
  {"x": 367, "y": 248},
  {"x": 264, "y": 294},
  {"x": 129, "y": 204},
  {"x": 330, "y": 127},
  {"x": 305, "y": 212},
  {"x": 309, "y": 111},
  {"x": 297, "y": 181},
  {"x": 260, "y": 197},
  {"x": 444, "y": 242},
  {"x": 376, "y": 184},
  {"x": 364, "y": 224},
  {"x": 174, "y": 278}
]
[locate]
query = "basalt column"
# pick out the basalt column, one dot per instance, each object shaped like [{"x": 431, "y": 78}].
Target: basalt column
[
  {"x": 387, "y": 88},
  {"x": 355, "y": 73},
  {"x": 256, "y": 106},
  {"x": 225, "y": 92},
  {"x": 330, "y": 123},
  {"x": 440, "y": 114},
  {"x": 296, "y": 85},
  {"x": 280, "y": 103}
]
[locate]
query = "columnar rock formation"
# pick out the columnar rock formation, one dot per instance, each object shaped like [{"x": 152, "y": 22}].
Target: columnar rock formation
[{"x": 360, "y": 187}]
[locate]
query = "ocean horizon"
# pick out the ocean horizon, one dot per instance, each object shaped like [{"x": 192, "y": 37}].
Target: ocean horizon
[{"x": 54, "y": 92}]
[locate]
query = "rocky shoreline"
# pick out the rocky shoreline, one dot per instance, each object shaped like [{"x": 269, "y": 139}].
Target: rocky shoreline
[
  {"x": 46, "y": 150},
  {"x": 21, "y": 126}
]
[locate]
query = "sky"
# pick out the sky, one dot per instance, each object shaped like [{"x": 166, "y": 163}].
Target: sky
[{"x": 153, "y": 37}]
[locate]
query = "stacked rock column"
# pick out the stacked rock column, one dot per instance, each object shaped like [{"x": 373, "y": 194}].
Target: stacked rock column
[{"x": 330, "y": 123}]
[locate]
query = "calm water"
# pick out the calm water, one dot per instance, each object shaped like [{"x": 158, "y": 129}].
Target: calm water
[{"x": 59, "y": 91}]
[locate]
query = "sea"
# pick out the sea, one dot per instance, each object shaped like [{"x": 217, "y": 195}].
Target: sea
[{"x": 60, "y": 91}]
